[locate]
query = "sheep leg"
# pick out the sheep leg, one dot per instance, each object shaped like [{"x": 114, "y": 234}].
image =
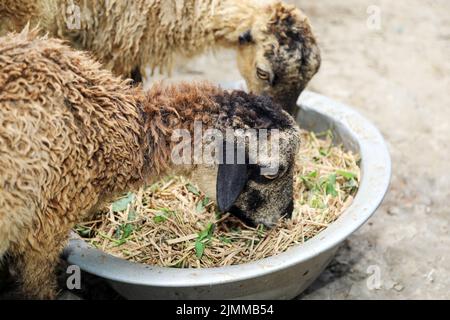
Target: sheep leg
[
  {"x": 35, "y": 261},
  {"x": 4, "y": 244},
  {"x": 4, "y": 237}
]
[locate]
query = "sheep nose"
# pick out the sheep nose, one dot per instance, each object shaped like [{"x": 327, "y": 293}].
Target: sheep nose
[
  {"x": 289, "y": 104},
  {"x": 288, "y": 212}
]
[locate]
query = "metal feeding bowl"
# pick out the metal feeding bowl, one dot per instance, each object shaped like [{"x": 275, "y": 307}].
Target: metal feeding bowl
[{"x": 283, "y": 276}]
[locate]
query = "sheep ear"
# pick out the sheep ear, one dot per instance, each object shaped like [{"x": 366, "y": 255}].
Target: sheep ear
[
  {"x": 231, "y": 180},
  {"x": 245, "y": 37}
]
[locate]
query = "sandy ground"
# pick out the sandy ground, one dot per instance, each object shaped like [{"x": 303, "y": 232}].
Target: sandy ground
[{"x": 397, "y": 76}]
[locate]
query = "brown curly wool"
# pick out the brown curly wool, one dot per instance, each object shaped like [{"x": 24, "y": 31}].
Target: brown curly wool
[
  {"x": 260, "y": 111},
  {"x": 72, "y": 135},
  {"x": 129, "y": 36},
  {"x": 68, "y": 130}
]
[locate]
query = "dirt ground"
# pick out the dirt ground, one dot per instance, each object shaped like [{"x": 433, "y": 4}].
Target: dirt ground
[{"x": 399, "y": 77}]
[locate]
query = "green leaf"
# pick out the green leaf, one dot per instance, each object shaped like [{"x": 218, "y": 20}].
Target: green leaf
[
  {"x": 323, "y": 152},
  {"x": 206, "y": 201},
  {"x": 200, "y": 207},
  {"x": 123, "y": 233},
  {"x": 163, "y": 215},
  {"x": 312, "y": 174},
  {"x": 210, "y": 229},
  {"x": 193, "y": 189},
  {"x": 131, "y": 215},
  {"x": 203, "y": 238},
  {"x": 331, "y": 185},
  {"x": 83, "y": 231},
  {"x": 126, "y": 231},
  {"x": 316, "y": 203},
  {"x": 206, "y": 233},
  {"x": 122, "y": 204},
  {"x": 199, "y": 249},
  {"x": 261, "y": 230},
  {"x": 347, "y": 175},
  {"x": 310, "y": 180},
  {"x": 225, "y": 239},
  {"x": 120, "y": 242},
  {"x": 160, "y": 218}
]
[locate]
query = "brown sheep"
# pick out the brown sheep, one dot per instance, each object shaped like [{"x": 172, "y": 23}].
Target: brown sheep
[
  {"x": 72, "y": 136},
  {"x": 277, "y": 51}
]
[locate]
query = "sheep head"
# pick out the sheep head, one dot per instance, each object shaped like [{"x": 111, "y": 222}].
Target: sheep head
[
  {"x": 278, "y": 55},
  {"x": 254, "y": 177},
  {"x": 239, "y": 148},
  {"x": 265, "y": 197}
]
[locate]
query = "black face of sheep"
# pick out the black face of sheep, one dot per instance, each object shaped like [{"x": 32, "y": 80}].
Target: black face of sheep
[
  {"x": 251, "y": 173},
  {"x": 255, "y": 194},
  {"x": 258, "y": 191},
  {"x": 252, "y": 197}
]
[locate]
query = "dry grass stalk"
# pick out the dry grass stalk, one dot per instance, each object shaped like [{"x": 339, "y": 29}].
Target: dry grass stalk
[{"x": 172, "y": 224}]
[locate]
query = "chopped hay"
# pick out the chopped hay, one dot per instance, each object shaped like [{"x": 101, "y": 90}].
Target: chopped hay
[{"x": 172, "y": 224}]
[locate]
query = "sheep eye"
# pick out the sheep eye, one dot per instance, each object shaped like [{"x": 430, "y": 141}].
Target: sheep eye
[
  {"x": 271, "y": 176},
  {"x": 263, "y": 75},
  {"x": 280, "y": 173}
]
